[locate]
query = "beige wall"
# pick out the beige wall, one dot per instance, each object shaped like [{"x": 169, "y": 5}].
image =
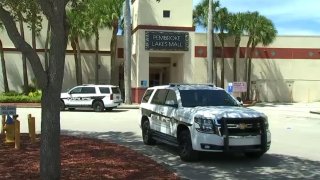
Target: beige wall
[{"x": 146, "y": 12}]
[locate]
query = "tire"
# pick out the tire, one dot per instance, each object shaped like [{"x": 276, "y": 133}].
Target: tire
[
  {"x": 62, "y": 105},
  {"x": 98, "y": 106},
  {"x": 186, "y": 152},
  {"x": 254, "y": 155},
  {"x": 146, "y": 134}
]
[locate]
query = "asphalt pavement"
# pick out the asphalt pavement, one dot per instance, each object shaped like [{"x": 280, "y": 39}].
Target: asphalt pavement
[{"x": 294, "y": 152}]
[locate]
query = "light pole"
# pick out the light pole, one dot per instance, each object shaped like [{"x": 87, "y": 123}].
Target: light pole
[
  {"x": 209, "y": 44},
  {"x": 127, "y": 55}
]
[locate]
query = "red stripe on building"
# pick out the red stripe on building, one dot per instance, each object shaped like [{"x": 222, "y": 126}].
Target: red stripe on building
[{"x": 265, "y": 53}]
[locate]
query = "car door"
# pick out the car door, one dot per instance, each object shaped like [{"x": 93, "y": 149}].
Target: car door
[
  {"x": 169, "y": 112},
  {"x": 74, "y": 94},
  {"x": 87, "y": 96},
  {"x": 157, "y": 108}
]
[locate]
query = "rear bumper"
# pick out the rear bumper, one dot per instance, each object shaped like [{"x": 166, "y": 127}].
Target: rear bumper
[{"x": 112, "y": 103}]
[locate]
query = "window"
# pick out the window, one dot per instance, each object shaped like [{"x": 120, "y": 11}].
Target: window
[
  {"x": 115, "y": 90},
  {"x": 147, "y": 96},
  {"x": 193, "y": 98},
  {"x": 159, "y": 96},
  {"x": 76, "y": 90},
  {"x": 166, "y": 13},
  {"x": 171, "y": 98},
  {"x": 88, "y": 90},
  {"x": 104, "y": 90}
]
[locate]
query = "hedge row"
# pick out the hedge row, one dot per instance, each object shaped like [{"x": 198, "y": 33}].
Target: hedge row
[{"x": 20, "y": 99}]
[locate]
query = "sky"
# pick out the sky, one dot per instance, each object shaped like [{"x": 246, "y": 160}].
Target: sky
[{"x": 290, "y": 17}]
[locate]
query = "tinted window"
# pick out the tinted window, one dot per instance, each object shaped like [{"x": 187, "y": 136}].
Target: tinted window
[
  {"x": 159, "y": 97},
  {"x": 193, "y": 98},
  {"x": 115, "y": 90},
  {"x": 76, "y": 90},
  {"x": 171, "y": 97},
  {"x": 88, "y": 90},
  {"x": 104, "y": 90},
  {"x": 147, "y": 96}
]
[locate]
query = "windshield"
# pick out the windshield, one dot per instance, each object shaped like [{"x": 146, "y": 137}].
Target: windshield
[{"x": 193, "y": 98}]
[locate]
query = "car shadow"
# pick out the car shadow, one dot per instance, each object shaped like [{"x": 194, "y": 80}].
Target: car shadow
[{"x": 215, "y": 165}]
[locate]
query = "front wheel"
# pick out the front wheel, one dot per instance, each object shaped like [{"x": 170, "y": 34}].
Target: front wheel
[
  {"x": 146, "y": 134},
  {"x": 186, "y": 151},
  {"x": 98, "y": 106}
]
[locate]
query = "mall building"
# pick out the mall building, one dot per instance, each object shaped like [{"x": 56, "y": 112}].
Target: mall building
[{"x": 166, "y": 49}]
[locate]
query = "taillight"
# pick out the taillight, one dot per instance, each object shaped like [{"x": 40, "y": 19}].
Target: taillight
[{"x": 111, "y": 96}]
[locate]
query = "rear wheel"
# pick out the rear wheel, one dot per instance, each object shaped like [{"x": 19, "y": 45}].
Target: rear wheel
[
  {"x": 186, "y": 151},
  {"x": 146, "y": 134},
  {"x": 98, "y": 106}
]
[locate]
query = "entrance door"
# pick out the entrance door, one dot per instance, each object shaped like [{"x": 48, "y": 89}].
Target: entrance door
[{"x": 159, "y": 71}]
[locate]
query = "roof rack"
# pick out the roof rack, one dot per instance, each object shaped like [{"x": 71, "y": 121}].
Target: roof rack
[{"x": 186, "y": 84}]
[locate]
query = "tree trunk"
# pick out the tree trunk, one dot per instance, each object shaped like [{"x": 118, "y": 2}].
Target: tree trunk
[
  {"x": 97, "y": 66},
  {"x": 79, "y": 60},
  {"x": 249, "y": 72},
  {"x": 74, "y": 50},
  {"x": 222, "y": 62},
  {"x": 235, "y": 58},
  {"x": 113, "y": 46},
  {"x": 215, "y": 64},
  {"x": 127, "y": 55},
  {"x": 4, "y": 69},
  {"x": 50, "y": 160},
  {"x": 24, "y": 59},
  {"x": 46, "y": 48},
  {"x": 33, "y": 35},
  {"x": 209, "y": 45}
]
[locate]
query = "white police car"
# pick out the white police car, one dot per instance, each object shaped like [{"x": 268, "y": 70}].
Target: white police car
[
  {"x": 202, "y": 118},
  {"x": 98, "y": 97}
]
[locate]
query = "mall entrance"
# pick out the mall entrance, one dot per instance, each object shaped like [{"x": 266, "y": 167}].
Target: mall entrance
[
  {"x": 165, "y": 68},
  {"x": 159, "y": 71}
]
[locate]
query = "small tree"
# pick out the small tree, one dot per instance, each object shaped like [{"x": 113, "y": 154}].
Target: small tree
[{"x": 49, "y": 81}]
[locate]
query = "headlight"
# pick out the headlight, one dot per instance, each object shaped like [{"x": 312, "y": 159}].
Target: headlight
[{"x": 204, "y": 125}]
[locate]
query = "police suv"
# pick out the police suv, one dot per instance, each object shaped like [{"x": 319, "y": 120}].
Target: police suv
[
  {"x": 198, "y": 118},
  {"x": 98, "y": 97}
]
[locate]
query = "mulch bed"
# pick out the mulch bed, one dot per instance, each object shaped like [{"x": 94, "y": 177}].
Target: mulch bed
[{"x": 81, "y": 158}]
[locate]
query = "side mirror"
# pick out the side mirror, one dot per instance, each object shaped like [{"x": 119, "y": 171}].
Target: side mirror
[{"x": 240, "y": 100}]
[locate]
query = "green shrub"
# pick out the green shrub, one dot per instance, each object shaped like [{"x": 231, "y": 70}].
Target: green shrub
[
  {"x": 20, "y": 99},
  {"x": 10, "y": 93}
]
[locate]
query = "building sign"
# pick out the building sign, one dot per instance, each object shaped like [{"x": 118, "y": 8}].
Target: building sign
[
  {"x": 167, "y": 41},
  {"x": 239, "y": 87}
]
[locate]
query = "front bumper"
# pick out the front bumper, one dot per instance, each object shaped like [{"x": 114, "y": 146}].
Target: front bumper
[{"x": 225, "y": 143}]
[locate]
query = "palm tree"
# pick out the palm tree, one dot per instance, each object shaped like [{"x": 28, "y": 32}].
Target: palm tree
[
  {"x": 260, "y": 30},
  {"x": 222, "y": 21},
  {"x": 113, "y": 22},
  {"x": 98, "y": 13},
  {"x": 200, "y": 16},
  {"x": 79, "y": 26},
  {"x": 236, "y": 27}
]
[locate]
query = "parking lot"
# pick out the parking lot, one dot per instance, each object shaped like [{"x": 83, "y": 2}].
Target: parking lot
[{"x": 294, "y": 150}]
